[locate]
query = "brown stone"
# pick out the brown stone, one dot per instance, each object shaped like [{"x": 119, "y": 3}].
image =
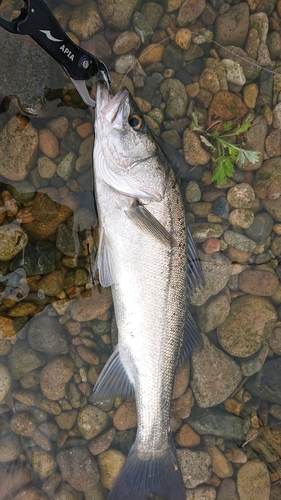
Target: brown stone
[
  {"x": 91, "y": 304},
  {"x": 181, "y": 380},
  {"x": 187, "y": 437},
  {"x": 126, "y": 416},
  {"x": 263, "y": 283},
  {"x": 225, "y": 106},
  {"x": 6, "y": 328}
]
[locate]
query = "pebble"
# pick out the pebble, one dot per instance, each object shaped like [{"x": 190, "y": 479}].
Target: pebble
[
  {"x": 88, "y": 355},
  {"x": 183, "y": 38},
  {"x": 253, "y": 364},
  {"x": 275, "y": 411},
  {"x": 110, "y": 463},
  {"x": 91, "y": 305},
  {"x": 59, "y": 126},
  {"x": 175, "y": 97},
  {"x": 195, "y": 467},
  {"x": 221, "y": 207},
  {"x": 220, "y": 464},
  {"x": 125, "y": 416},
  {"x": 227, "y": 490},
  {"x": 275, "y": 341},
  {"x": 46, "y": 167},
  {"x": 23, "y": 424},
  {"x": 187, "y": 437},
  {"x": 217, "y": 422},
  {"x": 5, "y": 381},
  {"x": 217, "y": 270},
  {"x": 241, "y": 217},
  {"x": 91, "y": 421},
  {"x": 48, "y": 143},
  {"x": 19, "y": 142},
  {"x": 234, "y": 72},
  {"x": 214, "y": 375},
  {"x": 272, "y": 144},
  {"x": 66, "y": 166},
  {"x": 211, "y": 245},
  {"x": 193, "y": 150},
  {"x": 189, "y": 11},
  {"x": 152, "y": 12},
  {"x": 54, "y": 376},
  {"x": 232, "y": 26},
  {"x": 192, "y": 192},
  {"x": 261, "y": 228},
  {"x": 205, "y": 492},
  {"x": 182, "y": 405},
  {"x": 253, "y": 482},
  {"x": 22, "y": 359},
  {"x": 251, "y": 314},
  {"x": 258, "y": 282},
  {"x": 10, "y": 447},
  {"x": 241, "y": 196},
  {"x": 142, "y": 27},
  {"x": 125, "y": 42},
  {"x": 12, "y": 241},
  {"x": 66, "y": 419},
  {"x": 102, "y": 442},
  {"x": 250, "y": 94},
  {"x": 78, "y": 468},
  {"x": 267, "y": 182},
  {"x": 52, "y": 284},
  {"x": 239, "y": 241},
  {"x": 181, "y": 380},
  {"x": 212, "y": 313},
  {"x": 226, "y": 106},
  {"x": 43, "y": 463},
  {"x": 209, "y": 81},
  {"x": 151, "y": 54},
  {"x": 85, "y": 20},
  {"x": 265, "y": 383}
]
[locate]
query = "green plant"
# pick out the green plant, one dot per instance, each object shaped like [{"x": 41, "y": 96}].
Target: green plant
[{"x": 225, "y": 154}]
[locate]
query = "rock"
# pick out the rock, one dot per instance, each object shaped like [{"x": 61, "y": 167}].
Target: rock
[
  {"x": 275, "y": 341},
  {"x": 253, "y": 364},
  {"x": 125, "y": 416},
  {"x": 181, "y": 380},
  {"x": 175, "y": 96},
  {"x": 232, "y": 26},
  {"x": 125, "y": 42},
  {"x": 209, "y": 81},
  {"x": 182, "y": 405},
  {"x": 45, "y": 334},
  {"x": 31, "y": 98},
  {"x": 212, "y": 313},
  {"x": 261, "y": 228},
  {"x": 220, "y": 464},
  {"x": 65, "y": 491},
  {"x": 187, "y": 437},
  {"x": 91, "y": 304},
  {"x": 253, "y": 481},
  {"x": 67, "y": 242},
  {"x": 142, "y": 28},
  {"x": 227, "y": 490},
  {"x": 183, "y": 38},
  {"x": 234, "y": 72},
  {"x": 12, "y": 241},
  {"x": 22, "y": 359},
  {"x": 125, "y": 63},
  {"x": 251, "y": 314},
  {"x": 78, "y": 468},
  {"x": 100, "y": 48},
  {"x": 193, "y": 150},
  {"x": 23, "y": 424},
  {"x": 10, "y": 447},
  {"x": 30, "y": 492},
  {"x": 273, "y": 144},
  {"x": 267, "y": 182},
  {"x": 13, "y": 478},
  {"x": 195, "y": 467},
  {"x": 254, "y": 140},
  {"x": 258, "y": 282},
  {"x": 217, "y": 422},
  {"x": 273, "y": 207},
  {"x": 91, "y": 421},
  {"x": 59, "y": 126},
  {"x": 102, "y": 442},
  {"x": 217, "y": 270},
  {"x": 85, "y": 20},
  {"x": 205, "y": 492},
  {"x": 66, "y": 419},
  {"x": 241, "y": 196},
  {"x": 241, "y": 217},
  {"x": 214, "y": 375},
  {"x": 46, "y": 167},
  {"x": 54, "y": 376},
  {"x": 88, "y": 355},
  {"x": 48, "y": 143},
  {"x": 110, "y": 463},
  {"x": 43, "y": 463},
  {"x": 239, "y": 241},
  {"x": 274, "y": 44},
  {"x": 118, "y": 15},
  {"x": 189, "y": 11},
  {"x": 66, "y": 166},
  {"x": 265, "y": 384},
  {"x": 226, "y": 106},
  {"x": 39, "y": 259},
  {"x": 221, "y": 207},
  {"x": 52, "y": 284},
  {"x": 152, "y": 12},
  {"x": 5, "y": 381},
  {"x": 250, "y": 94},
  {"x": 22, "y": 191}
]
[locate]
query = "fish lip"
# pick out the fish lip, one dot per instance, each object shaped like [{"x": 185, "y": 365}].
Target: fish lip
[{"x": 110, "y": 109}]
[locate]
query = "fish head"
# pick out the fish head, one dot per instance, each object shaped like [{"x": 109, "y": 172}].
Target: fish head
[{"x": 126, "y": 155}]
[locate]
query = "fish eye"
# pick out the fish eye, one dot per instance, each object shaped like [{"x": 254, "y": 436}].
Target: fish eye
[{"x": 136, "y": 122}]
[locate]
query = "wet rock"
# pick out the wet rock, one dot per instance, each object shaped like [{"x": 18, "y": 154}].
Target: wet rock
[
  {"x": 183, "y": 38},
  {"x": 232, "y": 26},
  {"x": 250, "y": 94},
  {"x": 241, "y": 196},
  {"x": 273, "y": 207},
  {"x": 274, "y": 44},
  {"x": 43, "y": 463},
  {"x": 91, "y": 304},
  {"x": 234, "y": 72},
  {"x": 217, "y": 269},
  {"x": 152, "y": 13},
  {"x": 65, "y": 492},
  {"x": 209, "y": 81},
  {"x": 37, "y": 259},
  {"x": 181, "y": 380},
  {"x": 217, "y": 422},
  {"x": 182, "y": 405},
  {"x": 66, "y": 166},
  {"x": 52, "y": 284},
  {"x": 125, "y": 416},
  {"x": 30, "y": 492},
  {"x": 253, "y": 482},
  {"x": 85, "y": 20},
  {"x": 13, "y": 478},
  {"x": 25, "y": 55},
  {"x": 125, "y": 42},
  {"x": 5, "y": 381},
  {"x": 22, "y": 191},
  {"x": 189, "y": 11},
  {"x": 67, "y": 242},
  {"x": 54, "y": 376},
  {"x": 239, "y": 241},
  {"x": 174, "y": 95},
  {"x": 12, "y": 241},
  {"x": 142, "y": 28},
  {"x": 226, "y": 106},
  {"x": 195, "y": 467},
  {"x": 275, "y": 341},
  {"x": 91, "y": 421},
  {"x": 193, "y": 151},
  {"x": 23, "y": 424},
  {"x": 258, "y": 282},
  {"x": 241, "y": 217},
  {"x": 187, "y": 437},
  {"x": 214, "y": 375},
  {"x": 22, "y": 359},
  {"x": 212, "y": 313},
  {"x": 48, "y": 143},
  {"x": 78, "y": 468},
  {"x": 205, "y": 492},
  {"x": 211, "y": 245},
  {"x": 221, "y": 207},
  {"x": 273, "y": 144},
  {"x": 227, "y": 490},
  {"x": 10, "y": 447},
  {"x": 59, "y": 126},
  {"x": 265, "y": 384},
  {"x": 100, "y": 48},
  {"x": 250, "y": 321},
  {"x": 66, "y": 419},
  {"x": 102, "y": 442},
  {"x": 220, "y": 464},
  {"x": 117, "y": 15},
  {"x": 253, "y": 364},
  {"x": 110, "y": 463},
  {"x": 261, "y": 228},
  {"x": 45, "y": 334},
  {"x": 267, "y": 182},
  {"x": 254, "y": 140}
]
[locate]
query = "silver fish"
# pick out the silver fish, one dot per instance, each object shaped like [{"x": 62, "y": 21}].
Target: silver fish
[{"x": 142, "y": 255}]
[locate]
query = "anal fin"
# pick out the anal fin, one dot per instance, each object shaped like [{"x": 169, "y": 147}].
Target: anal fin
[{"x": 113, "y": 380}]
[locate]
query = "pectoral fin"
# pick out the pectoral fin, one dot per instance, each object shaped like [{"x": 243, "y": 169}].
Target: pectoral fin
[
  {"x": 113, "y": 380},
  {"x": 145, "y": 221},
  {"x": 106, "y": 261}
]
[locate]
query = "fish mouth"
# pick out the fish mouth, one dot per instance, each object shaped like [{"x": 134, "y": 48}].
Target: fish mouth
[{"x": 110, "y": 108}]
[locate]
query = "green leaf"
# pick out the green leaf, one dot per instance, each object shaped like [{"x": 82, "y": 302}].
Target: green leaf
[
  {"x": 194, "y": 119},
  {"x": 208, "y": 143},
  {"x": 227, "y": 126},
  {"x": 252, "y": 156},
  {"x": 245, "y": 126},
  {"x": 215, "y": 133},
  {"x": 219, "y": 172},
  {"x": 229, "y": 167}
]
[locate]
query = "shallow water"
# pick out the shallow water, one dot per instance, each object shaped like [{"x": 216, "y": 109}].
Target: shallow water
[{"x": 57, "y": 325}]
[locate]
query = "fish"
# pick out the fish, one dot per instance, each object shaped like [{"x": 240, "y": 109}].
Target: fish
[{"x": 142, "y": 254}]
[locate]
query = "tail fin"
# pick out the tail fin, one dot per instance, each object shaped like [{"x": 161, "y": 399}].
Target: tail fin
[{"x": 138, "y": 478}]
